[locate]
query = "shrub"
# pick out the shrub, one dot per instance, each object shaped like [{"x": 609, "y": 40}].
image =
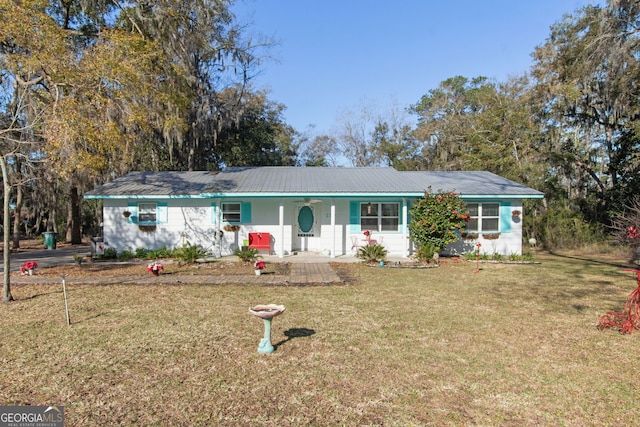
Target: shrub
[
  {"x": 371, "y": 253},
  {"x": 162, "y": 252},
  {"x": 125, "y": 255},
  {"x": 437, "y": 219},
  {"x": 141, "y": 253},
  {"x": 189, "y": 253},
  {"x": 246, "y": 255},
  {"x": 426, "y": 251},
  {"x": 110, "y": 253}
]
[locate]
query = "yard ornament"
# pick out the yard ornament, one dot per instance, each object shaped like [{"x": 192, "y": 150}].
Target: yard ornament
[
  {"x": 628, "y": 319},
  {"x": 266, "y": 313}
]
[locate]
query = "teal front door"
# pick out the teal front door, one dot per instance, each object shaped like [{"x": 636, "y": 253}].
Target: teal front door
[{"x": 305, "y": 231}]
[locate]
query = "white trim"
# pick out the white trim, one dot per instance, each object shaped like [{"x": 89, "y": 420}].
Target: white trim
[
  {"x": 333, "y": 229},
  {"x": 281, "y": 224}
]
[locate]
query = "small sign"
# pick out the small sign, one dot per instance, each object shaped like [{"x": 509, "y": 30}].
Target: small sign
[{"x": 31, "y": 416}]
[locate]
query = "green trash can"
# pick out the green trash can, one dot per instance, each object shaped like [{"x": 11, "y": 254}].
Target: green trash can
[{"x": 49, "y": 239}]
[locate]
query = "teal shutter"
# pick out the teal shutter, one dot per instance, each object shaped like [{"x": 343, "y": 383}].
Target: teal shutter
[
  {"x": 162, "y": 213},
  {"x": 245, "y": 213},
  {"x": 505, "y": 217},
  {"x": 133, "y": 208},
  {"x": 354, "y": 217}
]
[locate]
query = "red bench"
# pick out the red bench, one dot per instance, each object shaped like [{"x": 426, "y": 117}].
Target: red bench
[{"x": 261, "y": 242}]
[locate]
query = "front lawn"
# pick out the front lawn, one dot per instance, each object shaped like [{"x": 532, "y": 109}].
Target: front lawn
[{"x": 513, "y": 345}]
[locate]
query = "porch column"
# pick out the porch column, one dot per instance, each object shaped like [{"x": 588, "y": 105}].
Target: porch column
[
  {"x": 405, "y": 224},
  {"x": 333, "y": 228},
  {"x": 281, "y": 222}
]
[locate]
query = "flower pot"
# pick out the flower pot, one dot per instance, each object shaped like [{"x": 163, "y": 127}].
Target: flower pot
[
  {"x": 30, "y": 272},
  {"x": 258, "y": 272}
]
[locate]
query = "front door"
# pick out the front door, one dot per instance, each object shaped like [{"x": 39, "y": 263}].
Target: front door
[{"x": 306, "y": 230}]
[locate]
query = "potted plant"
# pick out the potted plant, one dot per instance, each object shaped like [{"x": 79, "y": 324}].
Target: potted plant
[
  {"x": 258, "y": 266},
  {"x": 154, "y": 268},
  {"x": 29, "y": 268}
]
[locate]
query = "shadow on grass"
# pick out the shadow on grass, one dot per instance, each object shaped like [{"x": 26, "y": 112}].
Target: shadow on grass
[
  {"x": 295, "y": 333},
  {"x": 594, "y": 260}
]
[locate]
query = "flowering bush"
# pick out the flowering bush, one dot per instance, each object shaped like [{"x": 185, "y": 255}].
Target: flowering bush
[
  {"x": 29, "y": 265},
  {"x": 155, "y": 266},
  {"x": 437, "y": 219},
  {"x": 259, "y": 265}
]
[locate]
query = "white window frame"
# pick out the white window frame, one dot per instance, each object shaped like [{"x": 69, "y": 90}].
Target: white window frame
[
  {"x": 377, "y": 213},
  {"x": 229, "y": 212},
  {"x": 147, "y": 213},
  {"x": 482, "y": 219}
]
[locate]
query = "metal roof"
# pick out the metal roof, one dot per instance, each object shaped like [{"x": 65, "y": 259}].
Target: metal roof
[
  {"x": 170, "y": 184},
  {"x": 312, "y": 181}
]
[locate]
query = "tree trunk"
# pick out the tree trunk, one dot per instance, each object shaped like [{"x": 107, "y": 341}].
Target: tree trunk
[
  {"x": 75, "y": 217},
  {"x": 17, "y": 212},
  {"x": 6, "y": 292}
]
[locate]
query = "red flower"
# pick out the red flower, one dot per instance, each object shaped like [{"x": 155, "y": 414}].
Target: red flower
[
  {"x": 367, "y": 233},
  {"x": 260, "y": 265}
]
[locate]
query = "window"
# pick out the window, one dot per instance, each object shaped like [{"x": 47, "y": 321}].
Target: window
[
  {"x": 379, "y": 216},
  {"x": 485, "y": 218},
  {"x": 147, "y": 213},
  {"x": 231, "y": 212}
]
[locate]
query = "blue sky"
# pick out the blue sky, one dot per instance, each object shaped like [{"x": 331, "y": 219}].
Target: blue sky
[{"x": 335, "y": 55}]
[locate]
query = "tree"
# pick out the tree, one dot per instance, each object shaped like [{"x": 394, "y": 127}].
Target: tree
[
  {"x": 587, "y": 73},
  {"x": 355, "y": 138},
  {"x": 258, "y": 137},
  {"x": 322, "y": 150}
]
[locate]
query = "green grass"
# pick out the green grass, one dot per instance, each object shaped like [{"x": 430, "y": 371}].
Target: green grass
[{"x": 512, "y": 345}]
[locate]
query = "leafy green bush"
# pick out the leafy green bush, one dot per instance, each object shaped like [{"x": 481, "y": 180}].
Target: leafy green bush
[
  {"x": 426, "y": 251},
  {"x": 437, "y": 219},
  {"x": 141, "y": 253},
  {"x": 371, "y": 253},
  {"x": 162, "y": 252},
  {"x": 110, "y": 253},
  {"x": 561, "y": 227},
  {"x": 189, "y": 253},
  {"x": 125, "y": 255},
  {"x": 246, "y": 255}
]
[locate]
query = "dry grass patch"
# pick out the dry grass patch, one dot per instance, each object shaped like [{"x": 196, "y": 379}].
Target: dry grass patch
[{"x": 513, "y": 345}]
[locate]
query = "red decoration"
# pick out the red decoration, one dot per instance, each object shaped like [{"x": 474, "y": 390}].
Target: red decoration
[
  {"x": 628, "y": 319},
  {"x": 155, "y": 267},
  {"x": 259, "y": 265},
  {"x": 29, "y": 265}
]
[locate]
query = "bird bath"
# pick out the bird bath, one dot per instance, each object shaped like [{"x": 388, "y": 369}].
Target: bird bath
[{"x": 266, "y": 313}]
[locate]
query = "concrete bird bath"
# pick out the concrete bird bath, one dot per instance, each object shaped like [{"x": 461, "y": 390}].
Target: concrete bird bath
[{"x": 266, "y": 313}]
